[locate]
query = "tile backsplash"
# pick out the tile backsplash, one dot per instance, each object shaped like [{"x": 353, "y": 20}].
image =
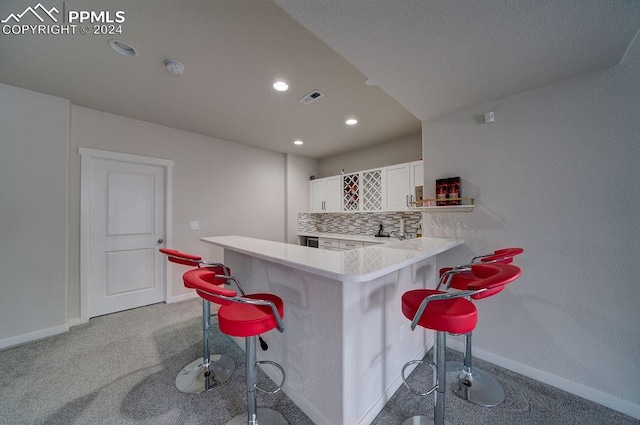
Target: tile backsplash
[{"x": 359, "y": 223}]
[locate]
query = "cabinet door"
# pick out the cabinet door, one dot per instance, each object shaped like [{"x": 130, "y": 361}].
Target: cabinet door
[
  {"x": 346, "y": 245},
  {"x": 372, "y": 190},
  {"x": 316, "y": 195},
  {"x": 417, "y": 178},
  {"x": 351, "y": 192},
  {"x": 332, "y": 194},
  {"x": 396, "y": 187}
]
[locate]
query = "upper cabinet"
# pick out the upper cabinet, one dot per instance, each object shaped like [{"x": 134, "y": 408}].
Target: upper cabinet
[
  {"x": 396, "y": 187},
  {"x": 399, "y": 185},
  {"x": 389, "y": 188},
  {"x": 325, "y": 194},
  {"x": 362, "y": 191}
]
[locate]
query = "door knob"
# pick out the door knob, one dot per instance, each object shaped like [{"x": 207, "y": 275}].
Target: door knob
[{"x": 160, "y": 241}]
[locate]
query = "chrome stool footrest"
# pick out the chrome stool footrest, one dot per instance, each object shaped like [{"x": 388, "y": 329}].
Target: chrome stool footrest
[
  {"x": 281, "y": 372},
  {"x": 404, "y": 380}
]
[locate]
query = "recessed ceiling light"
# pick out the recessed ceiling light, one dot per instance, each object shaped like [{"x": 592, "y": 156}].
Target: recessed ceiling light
[
  {"x": 281, "y": 86},
  {"x": 351, "y": 121},
  {"x": 121, "y": 47},
  {"x": 298, "y": 142}
]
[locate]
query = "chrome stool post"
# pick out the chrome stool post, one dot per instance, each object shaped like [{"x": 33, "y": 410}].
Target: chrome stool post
[
  {"x": 449, "y": 312},
  {"x": 205, "y": 373},
  {"x": 267, "y": 416}
]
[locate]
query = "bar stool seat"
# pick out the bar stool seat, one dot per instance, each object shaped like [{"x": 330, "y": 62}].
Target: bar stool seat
[
  {"x": 449, "y": 312},
  {"x": 455, "y": 315},
  {"x": 246, "y": 316},
  {"x": 467, "y": 381},
  {"x": 205, "y": 372}
]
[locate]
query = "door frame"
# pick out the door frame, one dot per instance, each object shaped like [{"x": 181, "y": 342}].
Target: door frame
[{"x": 86, "y": 156}]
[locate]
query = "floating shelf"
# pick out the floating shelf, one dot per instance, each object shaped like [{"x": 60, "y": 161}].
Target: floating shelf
[{"x": 431, "y": 205}]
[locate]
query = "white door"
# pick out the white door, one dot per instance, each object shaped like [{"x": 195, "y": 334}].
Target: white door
[{"x": 126, "y": 214}]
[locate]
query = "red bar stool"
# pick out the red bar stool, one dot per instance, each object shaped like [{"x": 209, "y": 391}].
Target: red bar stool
[
  {"x": 206, "y": 372},
  {"x": 448, "y": 312},
  {"x": 471, "y": 383},
  {"x": 245, "y": 316}
]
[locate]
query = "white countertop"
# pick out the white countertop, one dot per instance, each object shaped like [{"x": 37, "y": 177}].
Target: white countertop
[{"x": 356, "y": 265}]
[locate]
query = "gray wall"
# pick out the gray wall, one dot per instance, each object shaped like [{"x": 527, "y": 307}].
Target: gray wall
[
  {"x": 298, "y": 169},
  {"x": 557, "y": 173},
  {"x": 398, "y": 151},
  {"x": 34, "y": 136},
  {"x": 230, "y": 188}
]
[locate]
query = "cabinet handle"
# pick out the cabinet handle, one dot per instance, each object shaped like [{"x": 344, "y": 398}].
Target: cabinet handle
[{"x": 406, "y": 201}]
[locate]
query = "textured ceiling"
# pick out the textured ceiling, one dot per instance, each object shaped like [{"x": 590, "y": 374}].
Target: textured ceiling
[
  {"x": 436, "y": 56},
  {"x": 428, "y": 57},
  {"x": 232, "y": 51}
]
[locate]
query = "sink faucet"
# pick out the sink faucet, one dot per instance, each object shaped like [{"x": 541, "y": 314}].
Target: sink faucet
[{"x": 400, "y": 235}]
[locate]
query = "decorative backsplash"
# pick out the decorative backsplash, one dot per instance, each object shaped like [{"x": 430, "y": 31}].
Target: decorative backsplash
[{"x": 359, "y": 223}]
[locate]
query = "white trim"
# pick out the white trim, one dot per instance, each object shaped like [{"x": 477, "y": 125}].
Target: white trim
[
  {"x": 86, "y": 155},
  {"x": 591, "y": 394},
  {"x": 32, "y": 336},
  {"x": 183, "y": 297}
]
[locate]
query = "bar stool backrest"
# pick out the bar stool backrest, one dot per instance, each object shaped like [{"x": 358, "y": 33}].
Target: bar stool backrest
[
  {"x": 492, "y": 278},
  {"x": 504, "y": 256},
  {"x": 209, "y": 286},
  {"x": 183, "y": 258}
]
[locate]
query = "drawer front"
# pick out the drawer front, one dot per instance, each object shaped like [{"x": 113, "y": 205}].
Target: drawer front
[
  {"x": 344, "y": 244},
  {"x": 333, "y": 244}
]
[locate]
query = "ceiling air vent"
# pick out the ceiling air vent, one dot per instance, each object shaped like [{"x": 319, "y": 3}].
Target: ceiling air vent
[{"x": 314, "y": 95}]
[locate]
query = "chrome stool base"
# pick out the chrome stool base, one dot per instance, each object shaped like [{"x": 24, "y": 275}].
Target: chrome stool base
[
  {"x": 478, "y": 388},
  {"x": 422, "y": 420},
  {"x": 266, "y": 417},
  {"x": 193, "y": 378}
]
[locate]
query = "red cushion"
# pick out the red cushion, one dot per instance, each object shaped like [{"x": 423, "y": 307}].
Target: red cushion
[
  {"x": 183, "y": 258},
  {"x": 504, "y": 255},
  {"x": 456, "y": 315},
  {"x": 458, "y": 281},
  {"x": 493, "y": 276},
  {"x": 242, "y": 320},
  {"x": 205, "y": 278}
]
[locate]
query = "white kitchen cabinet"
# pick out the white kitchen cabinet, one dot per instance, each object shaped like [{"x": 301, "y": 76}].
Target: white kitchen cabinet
[
  {"x": 325, "y": 194},
  {"x": 416, "y": 178},
  {"x": 399, "y": 185},
  {"x": 362, "y": 191},
  {"x": 330, "y": 244},
  {"x": 396, "y": 187},
  {"x": 346, "y": 245}
]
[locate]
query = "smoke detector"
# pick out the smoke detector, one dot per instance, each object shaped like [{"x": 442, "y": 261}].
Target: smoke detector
[
  {"x": 314, "y": 95},
  {"x": 174, "y": 67}
]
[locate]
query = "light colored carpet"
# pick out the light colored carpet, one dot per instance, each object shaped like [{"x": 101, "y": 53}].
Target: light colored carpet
[{"x": 121, "y": 368}]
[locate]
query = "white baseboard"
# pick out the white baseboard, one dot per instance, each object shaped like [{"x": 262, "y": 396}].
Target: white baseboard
[
  {"x": 182, "y": 297},
  {"x": 604, "y": 399},
  {"x": 32, "y": 336}
]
